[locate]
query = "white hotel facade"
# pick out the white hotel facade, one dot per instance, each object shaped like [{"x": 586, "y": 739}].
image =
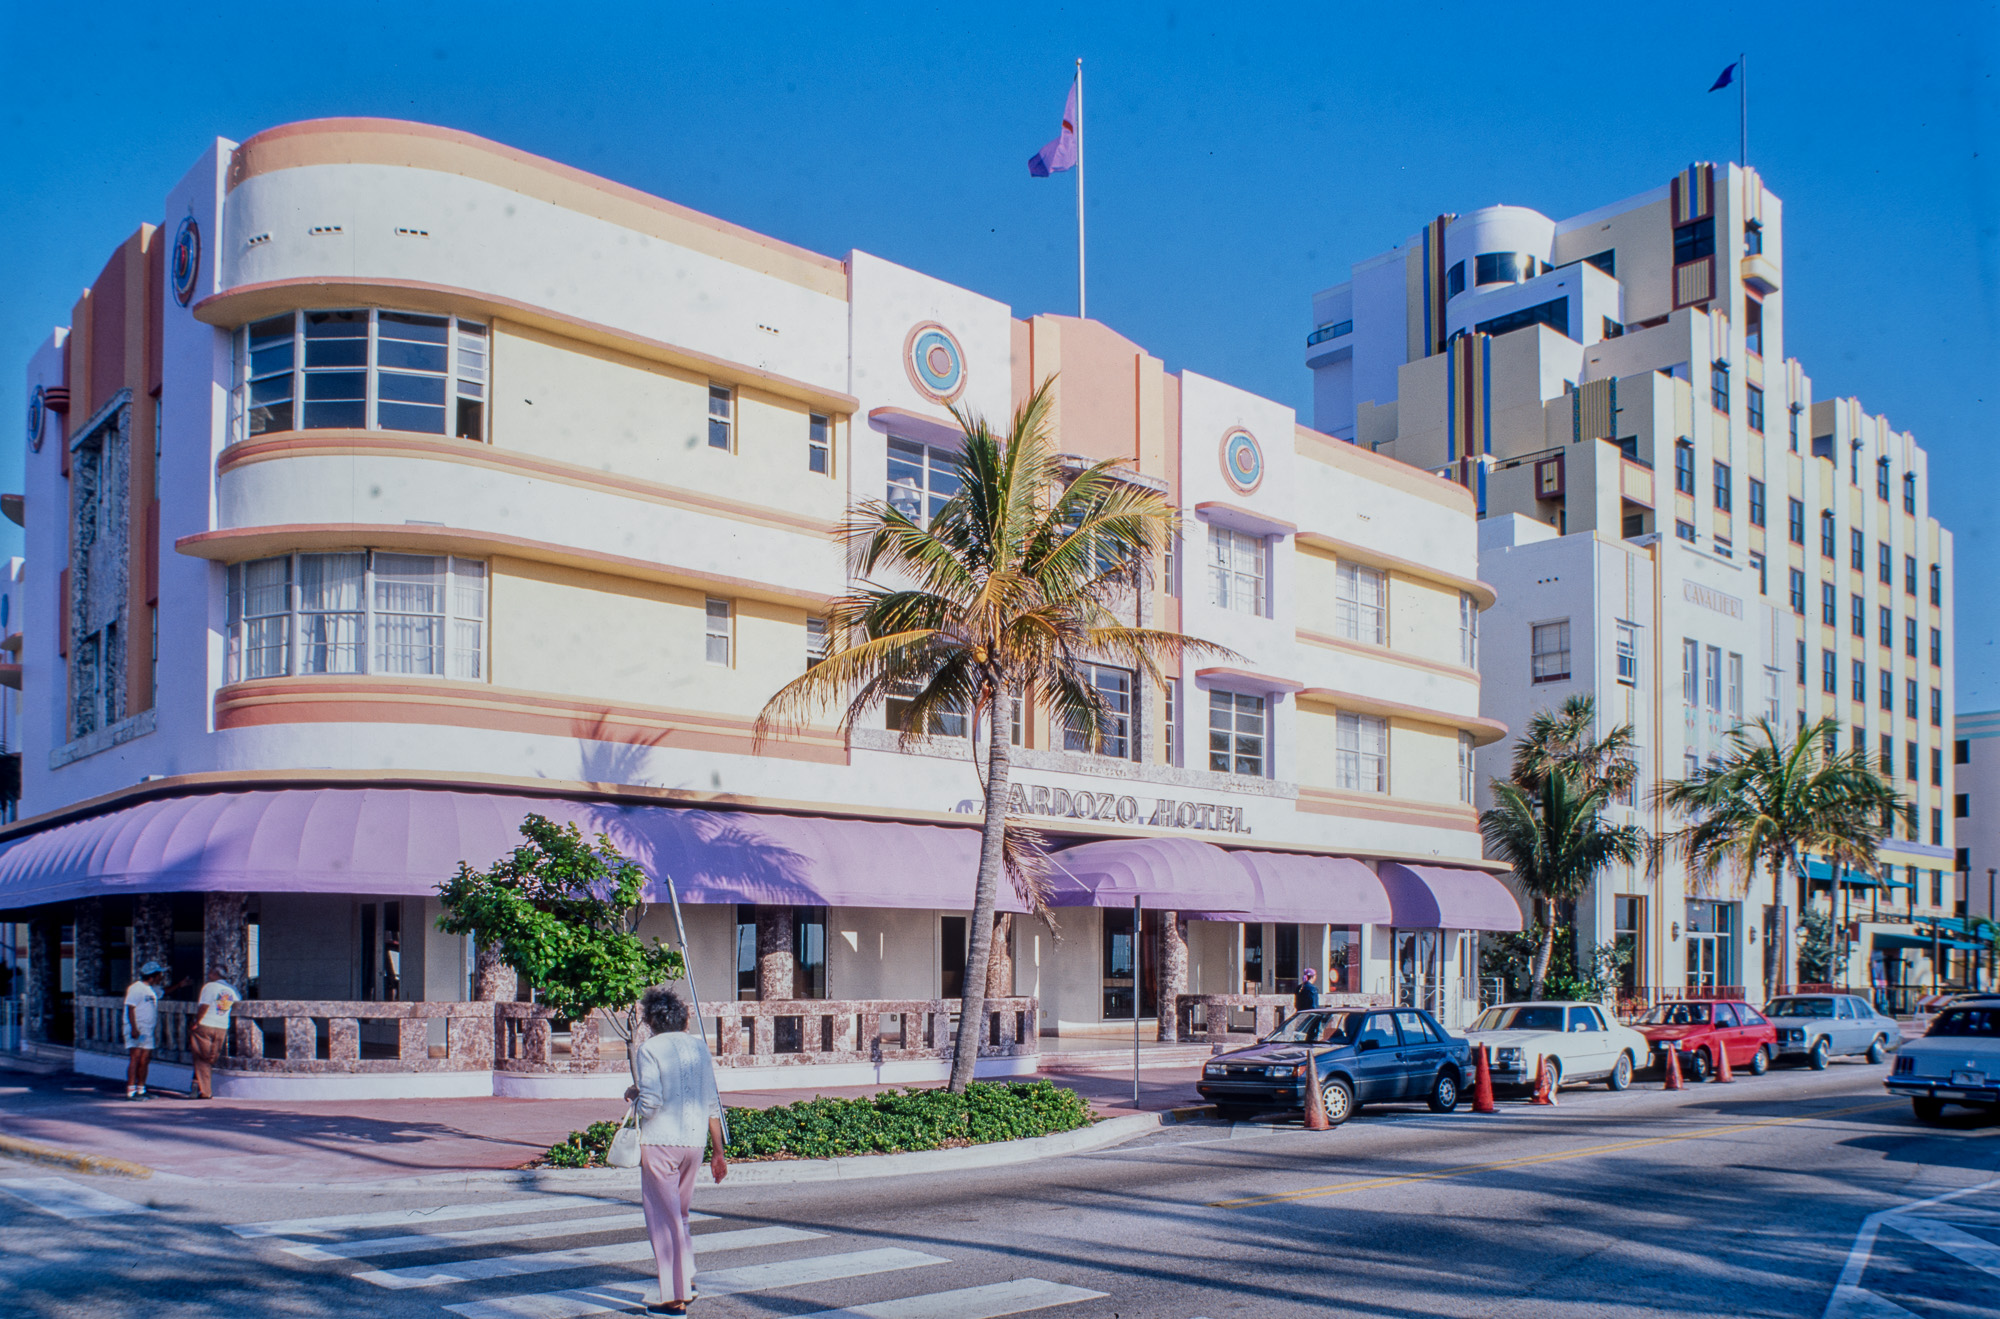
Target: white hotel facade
[{"x": 400, "y": 483}]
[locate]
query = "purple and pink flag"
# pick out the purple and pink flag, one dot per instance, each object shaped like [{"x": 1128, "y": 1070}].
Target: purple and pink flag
[{"x": 1060, "y": 154}]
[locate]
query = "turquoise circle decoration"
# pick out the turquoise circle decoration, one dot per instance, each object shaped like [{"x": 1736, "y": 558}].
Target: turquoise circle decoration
[
  {"x": 35, "y": 406},
  {"x": 1242, "y": 461},
  {"x": 935, "y": 362},
  {"x": 184, "y": 264}
]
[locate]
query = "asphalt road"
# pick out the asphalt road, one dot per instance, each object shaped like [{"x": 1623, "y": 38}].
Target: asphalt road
[{"x": 1764, "y": 1197}]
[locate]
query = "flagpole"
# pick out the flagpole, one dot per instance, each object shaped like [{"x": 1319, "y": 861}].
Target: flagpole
[
  {"x": 1081, "y": 312},
  {"x": 1743, "y": 109}
]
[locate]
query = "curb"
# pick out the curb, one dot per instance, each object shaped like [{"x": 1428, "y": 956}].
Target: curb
[{"x": 91, "y": 1163}]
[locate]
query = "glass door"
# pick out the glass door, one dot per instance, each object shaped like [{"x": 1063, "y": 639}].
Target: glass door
[
  {"x": 1127, "y": 960},
  {"x": 1419, "y": 969}
]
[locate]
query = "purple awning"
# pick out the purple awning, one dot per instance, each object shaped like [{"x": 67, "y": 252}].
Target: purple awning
[
  {"x": 404, "y": 841},
  {"x": 1165, "y": 874},
  {"x": 1313, "y": 890},
  {"x": 1446, "y": 898}
]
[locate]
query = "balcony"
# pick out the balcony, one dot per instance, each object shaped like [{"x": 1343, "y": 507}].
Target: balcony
[{"x": 1760, "y": 273}]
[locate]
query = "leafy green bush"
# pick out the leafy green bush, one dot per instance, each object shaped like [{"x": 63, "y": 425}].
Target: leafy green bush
[{"x": 888, "y": 1123}]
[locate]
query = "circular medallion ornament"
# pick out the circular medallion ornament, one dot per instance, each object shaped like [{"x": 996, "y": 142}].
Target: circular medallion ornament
[
  {"x": 185, "y": 263},
  {"x": 35, "y": 419},
  {"x": 1242, "y": 461},
  {"x": 935, "y": 362}
]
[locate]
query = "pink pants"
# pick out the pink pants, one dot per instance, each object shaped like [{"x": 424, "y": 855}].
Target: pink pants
[{"x": 666, "y": 1182}]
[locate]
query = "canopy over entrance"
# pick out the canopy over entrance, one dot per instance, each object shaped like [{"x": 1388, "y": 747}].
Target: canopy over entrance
[{"x": 1447, "y": 898}]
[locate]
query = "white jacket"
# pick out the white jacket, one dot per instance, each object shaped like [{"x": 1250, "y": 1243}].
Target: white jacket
[{"x": 677, "y": 1093}]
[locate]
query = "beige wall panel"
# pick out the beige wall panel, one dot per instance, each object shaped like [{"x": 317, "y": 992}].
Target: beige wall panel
[
  {"x": 307, "y": 946},
  {"x": 881, "y": 952}
]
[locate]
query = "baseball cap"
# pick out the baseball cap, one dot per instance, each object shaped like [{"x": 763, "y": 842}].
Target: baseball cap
[{"x": 151, "y": 969}]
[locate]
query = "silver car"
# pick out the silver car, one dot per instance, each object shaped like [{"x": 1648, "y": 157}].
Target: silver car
[{"x": 1819, "y": 1027}]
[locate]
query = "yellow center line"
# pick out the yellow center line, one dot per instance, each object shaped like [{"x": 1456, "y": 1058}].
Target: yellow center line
[{"x": 1529, "y": 1160}]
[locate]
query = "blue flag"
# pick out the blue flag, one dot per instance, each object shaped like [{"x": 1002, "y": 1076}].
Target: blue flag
[{"x": 1724, "y": 78}]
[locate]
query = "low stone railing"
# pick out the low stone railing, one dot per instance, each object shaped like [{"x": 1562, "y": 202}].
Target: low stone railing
[
  {"x": 855, "y": 1031},
  {"x": 1218, "y": 1011},
  {"x": 314, "y": 1036}
]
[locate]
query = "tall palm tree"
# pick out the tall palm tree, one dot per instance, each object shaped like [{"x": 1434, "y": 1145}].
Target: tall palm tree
[
  {"x": 1565, "y": 739},
  {"x": 1004, "y": 593},
  {"x": 1556, "y": 839},
  {"x": 1770, "y": 803}
]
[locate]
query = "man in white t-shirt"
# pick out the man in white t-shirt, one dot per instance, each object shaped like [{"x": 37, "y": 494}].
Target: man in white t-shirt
[
  {"x": 209, "y": 1036},
  {"x": 142, "y": 1025}
]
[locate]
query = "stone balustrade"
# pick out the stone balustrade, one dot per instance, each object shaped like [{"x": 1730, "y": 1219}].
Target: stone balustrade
[
  {"x": 797, "y": 1031},
  {"x": 1218, "y": 1013},
  {"x": 307, "y": 1036}
]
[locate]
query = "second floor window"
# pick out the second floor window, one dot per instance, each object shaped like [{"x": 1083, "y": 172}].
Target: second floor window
[
  {"x": 921, "y": 478},
  {"x": 721, "y": 417},
  {"x": 815, "y": 641},
  {"x": 1467, "y": 768},
  {"x": 1114, "y": 737},
  {"x": 1236, "y": 742},
  {"x": 1549, "y": 651},
  {"x": 1468, "y": 630},
  {"x": 718, "y": 631},
  {"x": 421, "y": 615},
  {"x": 819, "y": 444},
  {"x": 1361, "y": 607},
  {"x": 1361, "y": 753},
  {"x": 361, "y": 369},
  {"x": 1236, "y": 570}
]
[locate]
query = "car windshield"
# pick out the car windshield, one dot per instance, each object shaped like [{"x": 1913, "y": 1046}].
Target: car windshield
[
  {"x": 1800, "y": 1007},
  {"x": 1977, "y": 1023},
  {"x": 1315, "y": 1028},
  {"x": 1676, "y": 1014},
  {"x": 1533, "y": 1017}
]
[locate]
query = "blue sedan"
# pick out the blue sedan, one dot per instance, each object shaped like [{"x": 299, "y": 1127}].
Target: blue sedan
[{"x": 1363, "y": 1056}]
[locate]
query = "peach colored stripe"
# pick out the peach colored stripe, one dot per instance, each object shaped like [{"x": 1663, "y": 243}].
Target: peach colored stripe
[{"x": 1386, "y": 655}]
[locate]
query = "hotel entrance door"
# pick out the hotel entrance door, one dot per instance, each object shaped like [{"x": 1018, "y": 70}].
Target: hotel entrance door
[{"x": 1119, "y": 955}]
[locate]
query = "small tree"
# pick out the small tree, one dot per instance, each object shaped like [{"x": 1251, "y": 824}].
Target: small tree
[
  {"x": 1816, "y": 952},
  {"x": 563, "y": 913}
]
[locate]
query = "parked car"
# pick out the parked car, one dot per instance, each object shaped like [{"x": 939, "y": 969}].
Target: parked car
[
  {"x": 1701, "y": 1031},
  {"x": 1363, "y": 1056},
  {"x": 1956, "y": 1061},
  {"x": 1820, "y": 1027},
  {"x": 1580, "y": 1041}
]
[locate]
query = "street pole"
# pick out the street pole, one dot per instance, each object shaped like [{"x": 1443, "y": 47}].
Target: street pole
[
  {"x": 1137, "y": 923},
  {"x": 687, "y": 968}
]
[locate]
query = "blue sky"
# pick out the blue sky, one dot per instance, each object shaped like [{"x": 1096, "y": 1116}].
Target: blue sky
[{"x": 1240, "y": 157}]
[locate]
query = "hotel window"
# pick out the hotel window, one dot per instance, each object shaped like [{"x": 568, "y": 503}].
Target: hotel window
[
  {"x": 1361, "y": 604},
  {"x": 1753, "y": 338},
  {"x": 1172, "y": 720},
  {"x": 360, "y": 370},
  {"x": 921, "y": 479},
  {"x": 1886, "y": 696},
  {"x": 1829, "y": 612},
  {"x": 815, "y": 641},
  {"x": 1937, "y": 647},
  {"x": 1712, "y": 671},
  {"x": 1937, "y": 707},
  {"x": 1937, "y": 583},
  {"x": 718, "y": 630},
  {"x": 1454, "y": 279},
  {"x": 1236, "y": 734},
  {"x": 1857, "y": 550},
  {"x": 1857, "y": 617},
  {"x": 1467, "y": 774},
  {"x": 1694, "y": 240},
  {"x": 1826, "y": 535},
  {"x": 1937, "y": 767},
  {"x": 1910, "y": 761},
  {"x": 1549, "y": 651},
  {"x": 1888, "y": 755},
  {"x": 1884, "y": 564},
  {"x": 1882, "y": 478},
  {"x": 1798, "y": 591},
  {"x": 896, "y": 715},
  {"x": 1733, "y": 700},
  {"x": 1763, "y": 577},
  {"x": 1684, "y": 530},
  {"x": 1691, "y": 672},
  {"x": 1884, "y": 626},
  {"x": 1910, "y": 637},
  {"x": 1361, "y": 753},
  {"x": 1796, "y": 409},
  {"x": 1860, "y": 740},
  {"x": 1113, "y": 737},
  {"x": 1773, "y": 703},
  {"x": 1502, "y": 268},
  {"x": 1628, "y": 654},
  {"x": 1756, "y": 502},
  {"x": 1468, "y": 630},
  {"x": 819, "y": 444},
  {"x": 1753, "y": 407},
  {"x": 1718, "y": 387},
  {"x": 1910, "y": 575},
  {"x": 1858, "y": 688},
  {"x": 1684, "y": 467},
  {"x": 1909, "y": 492},
  {"x": 1236, "y": 570},
  {"x": 318, "y": 613},
  {"x": 1961, "y": 751},
  {"x": 1910, "y": 704},
  {"x": 721, "y": 417},
  {"x": 1723, "y": 499},
  {"x": 1016, "y": 725},
  {"x": 1937, "y": 840},
  {"x": 1829, "y": 675},
  {"x": 1796, "y": 522},
  {"x": 1801, "y": 666}
]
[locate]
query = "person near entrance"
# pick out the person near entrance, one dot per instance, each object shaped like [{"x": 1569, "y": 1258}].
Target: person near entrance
[
  {"x": 678, "y": 1109},
  {"x": 142, "y": 1026},
  {"x": 1307, "y": 995},
  {"x": 209, "y": 1037}
]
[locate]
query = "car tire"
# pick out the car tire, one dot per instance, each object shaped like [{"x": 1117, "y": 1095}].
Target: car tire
[
  {"x": 1445, "y": 1092},
  {"x": 1927, "y": 1110},
  {"x": 1339, "y": 1099},
  {"x": 1701, "y": 1067},
  {"x": 1760, "y": 1061},
  {"x": 1878, "y": 1050},
  {"x": 1821, "y": 1054},
  {"x": 1621, "y": 1075}
]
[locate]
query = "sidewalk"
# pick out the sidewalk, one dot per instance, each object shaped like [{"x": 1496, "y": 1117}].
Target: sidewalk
[{"x": 372, "y": 1140}]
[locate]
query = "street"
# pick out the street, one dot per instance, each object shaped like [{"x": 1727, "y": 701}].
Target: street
[{"x": 1754, "y": 1198}]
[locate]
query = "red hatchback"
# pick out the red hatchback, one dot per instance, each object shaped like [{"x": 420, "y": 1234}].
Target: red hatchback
[{"x": 1701, "y": 1031}]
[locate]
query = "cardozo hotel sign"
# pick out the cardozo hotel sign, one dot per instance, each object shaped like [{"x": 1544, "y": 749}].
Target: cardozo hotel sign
[{"x": 1154, "y": 812}]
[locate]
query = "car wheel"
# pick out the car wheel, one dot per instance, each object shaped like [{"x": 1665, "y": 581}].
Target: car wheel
[
  {"x": 1444, "y": 1093},
  {"x": 1701, "y": 1067},
  {"x": 1340, "y": 1104},
  {"x": 1878, "y": 1050},
  {"x": 1821, "y": 1052},
  {"x": 1621, "y": 1075},
  {"x": 1927, "y": 1110},
  {"x": 1760, "y": 1061}
]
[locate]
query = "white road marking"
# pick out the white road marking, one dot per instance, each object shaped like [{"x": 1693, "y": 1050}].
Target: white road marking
[
  {"x": 1850, "y": 1300},
  {"x": 525, "y": 1204},
  {"x": 623, "y": 1252},
  {"x": 373, "y": 1247},
  {"x": 1961, "y": 1246},
  {"x": 988, "y": 1302},
  {"x": 65, "y": 1199},
  {"x": 622, "y": 1297}
]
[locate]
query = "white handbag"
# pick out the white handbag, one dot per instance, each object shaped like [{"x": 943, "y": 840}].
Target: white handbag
[{"x": 624, "y": 1151}]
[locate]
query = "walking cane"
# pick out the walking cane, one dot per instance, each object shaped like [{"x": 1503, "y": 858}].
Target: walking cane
[{"x": 687, "y": 968}]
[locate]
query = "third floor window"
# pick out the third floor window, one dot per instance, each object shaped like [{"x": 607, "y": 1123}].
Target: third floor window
[{"x": 361, "y": 370}]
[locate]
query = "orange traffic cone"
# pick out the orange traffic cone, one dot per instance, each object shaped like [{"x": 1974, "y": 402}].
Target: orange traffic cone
[
  {"x": 1482, "y": 1082},
  {"x": 1315, "y": 1098},
  {"x": 1674, "y": 1081},
  {"x": 1545, "y": 1090},
  {"x": 1722, "y": 1063}
]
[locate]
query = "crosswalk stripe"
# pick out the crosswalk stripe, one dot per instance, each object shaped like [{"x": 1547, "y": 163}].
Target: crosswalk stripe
[
  {"x": 374, "y": 1247},
  {"x": 523, "y": 1204},
  {"x": 988, "y": 1302},
  {"x": 65, "y": 1199},
  {"x": 621, "y": 1297},
  {"x": 623, "y": 1252}
]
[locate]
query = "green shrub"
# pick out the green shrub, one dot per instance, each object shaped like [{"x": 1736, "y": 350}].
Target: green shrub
[{"x": 888, "y": 1123}]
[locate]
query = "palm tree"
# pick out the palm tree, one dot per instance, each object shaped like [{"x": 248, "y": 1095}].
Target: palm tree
[
  {"x": 1565, "y": 739},
  {"x": 1004, "y": 593},
  {"x": 1769, "y": 803},
  {"x": 1556, "y": 839}
]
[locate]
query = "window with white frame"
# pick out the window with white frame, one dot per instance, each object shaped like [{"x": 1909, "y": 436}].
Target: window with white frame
[
  {"x": 1468, "y": 630},
  {"x": 815, "y": 641},
  {"x": 1733, "y": 701},
  {"x": 1549, "y": 651},
  {"x": 1628, "y": 654},
  {"x": 819, "y": 444},
  {"x": 721, "y": 417},
  {"x": 1773, "y": 702},
  {"x": 359, "y": 611},
  {"x": 1236, "y": 736},
  {"x": 1361, "y": 753},
  {"x": 1236, "y": 570},
  {"x": 1361, "y": 603},
  {"x": 1172, "y": 720},
  {"x": 921, "y": 478},
  {"x": 1467, "y": 775},
  {"x": 718, "y": 630},
  {"x": 1114, "y": 736},
  {"x": 943, "y": 723},
  {"x": 1691, "y": 672},
  {"x": 1712, "y": 672},
  {"x": 360, "y": 369}
]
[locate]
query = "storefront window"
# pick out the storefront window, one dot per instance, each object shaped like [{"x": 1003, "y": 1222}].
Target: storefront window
[
  {"x": 1419, "y": 969},
  {"x": 1711, "y": 945}
]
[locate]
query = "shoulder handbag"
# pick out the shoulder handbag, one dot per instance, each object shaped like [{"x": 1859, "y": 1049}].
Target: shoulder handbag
[{"x": 624, "y": 1151}]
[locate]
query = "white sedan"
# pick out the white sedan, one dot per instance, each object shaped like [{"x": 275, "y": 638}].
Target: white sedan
[
  {"x": 1581, "y": 1041},
  {"x": 1956, "y": 1061}
]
